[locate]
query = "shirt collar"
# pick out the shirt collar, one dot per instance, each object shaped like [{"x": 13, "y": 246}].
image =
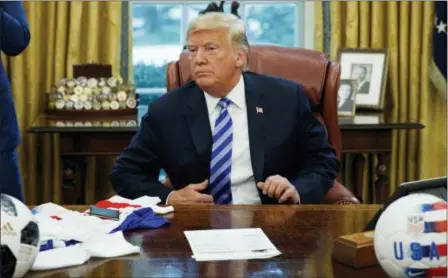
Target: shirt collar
[{"x": 236, "y": 95}]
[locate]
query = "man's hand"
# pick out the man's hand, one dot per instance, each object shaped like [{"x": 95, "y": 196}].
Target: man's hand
[
  {"x": 190, "y": 194},
  {"x": 280, "y": 188}
]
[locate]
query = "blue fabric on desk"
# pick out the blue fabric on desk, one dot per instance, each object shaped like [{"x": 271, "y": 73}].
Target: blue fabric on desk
[
  {"x": 141, "y": 219},
  {"x": 56, "y": 243}
]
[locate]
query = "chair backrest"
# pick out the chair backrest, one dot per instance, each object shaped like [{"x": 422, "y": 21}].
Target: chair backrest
[{"x": 318, "y": 75}]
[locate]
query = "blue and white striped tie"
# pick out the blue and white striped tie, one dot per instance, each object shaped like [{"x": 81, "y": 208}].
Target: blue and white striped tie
[{"x": 221, "y": 163}]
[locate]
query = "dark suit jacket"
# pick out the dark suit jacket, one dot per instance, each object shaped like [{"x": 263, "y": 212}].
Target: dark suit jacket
[
  {"x": 14, "y": 38},
  {"x": 175, "y": 135}
]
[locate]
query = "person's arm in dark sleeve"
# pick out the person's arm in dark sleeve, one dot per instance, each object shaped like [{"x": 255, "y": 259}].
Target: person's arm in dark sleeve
[
  {"x": 136, "y": 170},
  {"x": 318, "y": 164},
  {"x": 14, "y": 31}
]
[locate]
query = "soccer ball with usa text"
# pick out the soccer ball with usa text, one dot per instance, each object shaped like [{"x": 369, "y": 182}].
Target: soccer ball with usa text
[{"x": 411, "y": 237}]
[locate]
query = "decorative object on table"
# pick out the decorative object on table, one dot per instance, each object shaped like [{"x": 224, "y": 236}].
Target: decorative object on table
[
  {"x": 234, "y": 8},
  {"x": 213, "y": 7},
  {"x": 355, "y": 250},
  {"x": 368, "y": 67},
  {"x": 347, "y": 91},
  {"x": 96, "y": 123},
  {"x": 92, "y": 91}
]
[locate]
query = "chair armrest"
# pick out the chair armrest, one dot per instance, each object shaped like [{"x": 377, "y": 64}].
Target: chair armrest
[{"x": 339, "y": 195}]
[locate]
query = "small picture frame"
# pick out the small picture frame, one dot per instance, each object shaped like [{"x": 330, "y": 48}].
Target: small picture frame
[
  {"x": 368, "y": 67},
  {"x": 347, "y": 97}
]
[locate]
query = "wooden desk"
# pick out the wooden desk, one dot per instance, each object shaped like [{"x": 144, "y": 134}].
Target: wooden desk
[
  {"x": 304, "y": 234},
  {"x": 75, "y": 138}
]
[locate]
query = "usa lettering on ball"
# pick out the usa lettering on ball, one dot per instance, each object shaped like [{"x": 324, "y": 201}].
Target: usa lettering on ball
[{"x": 418, "y": 252}]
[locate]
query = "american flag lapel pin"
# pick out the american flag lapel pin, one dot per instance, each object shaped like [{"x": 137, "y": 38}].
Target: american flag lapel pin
[{"x": 259, "y": 110}]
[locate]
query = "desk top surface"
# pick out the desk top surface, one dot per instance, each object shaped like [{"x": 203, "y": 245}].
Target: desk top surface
[
  {"x": 129, "y": 124},
  {"x": 304, "y": 234}
]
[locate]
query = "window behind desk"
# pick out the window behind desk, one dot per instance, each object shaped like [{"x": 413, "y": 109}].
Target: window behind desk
[{"x": 159, "y": 27}]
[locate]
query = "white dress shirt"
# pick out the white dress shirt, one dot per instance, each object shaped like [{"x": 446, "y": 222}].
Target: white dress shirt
[{"x": 244, "y": 189}]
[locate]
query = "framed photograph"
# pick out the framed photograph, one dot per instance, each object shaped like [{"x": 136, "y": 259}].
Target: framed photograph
[
  {"x": 369, "y": 68},
  {"x": 347, "y": 97}
]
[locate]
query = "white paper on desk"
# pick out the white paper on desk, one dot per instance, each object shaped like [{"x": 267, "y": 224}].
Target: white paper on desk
[{"x": 230, "y": 244}]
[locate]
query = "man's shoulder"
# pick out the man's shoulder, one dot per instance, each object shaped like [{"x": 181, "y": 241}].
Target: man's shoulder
[
  {"x": 271, "y": 79},
  {"x": 174, "y": 100},
  {"x": 277, "y": 86}
]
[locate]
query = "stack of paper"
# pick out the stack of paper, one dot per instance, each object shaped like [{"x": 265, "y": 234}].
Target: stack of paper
[{"x": 230, "y": 244}]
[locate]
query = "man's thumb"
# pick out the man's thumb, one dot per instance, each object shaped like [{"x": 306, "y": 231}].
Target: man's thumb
[{"x": 199, "y": 186}]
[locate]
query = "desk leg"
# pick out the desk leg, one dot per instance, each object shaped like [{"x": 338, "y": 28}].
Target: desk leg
[
  {"x": 74, "y": 179},
  {"x": 382, "y": 182},
  {"x": 47, "y": 178},
  {"x": 57, "y": 175},
  {"x": 359, "y": 162},
  {"x": 89, "y": 186}
]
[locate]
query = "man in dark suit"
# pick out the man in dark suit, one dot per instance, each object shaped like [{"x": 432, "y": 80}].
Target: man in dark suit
[
  {"x": 14, "y": 38},
  {"x": 229, "y": 136}
]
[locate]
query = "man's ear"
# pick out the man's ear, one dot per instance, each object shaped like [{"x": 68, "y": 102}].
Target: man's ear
[{"x": 240, "y": 58}]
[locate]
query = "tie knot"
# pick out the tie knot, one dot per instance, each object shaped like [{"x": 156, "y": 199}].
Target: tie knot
[{"x": 224, "y": 102}]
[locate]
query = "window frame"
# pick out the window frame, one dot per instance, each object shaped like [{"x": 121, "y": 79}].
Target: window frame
[{"x": 304, "y": 11}]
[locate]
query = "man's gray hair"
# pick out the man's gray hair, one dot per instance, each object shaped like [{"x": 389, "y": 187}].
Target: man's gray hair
[{"x": 235, "y": 26}]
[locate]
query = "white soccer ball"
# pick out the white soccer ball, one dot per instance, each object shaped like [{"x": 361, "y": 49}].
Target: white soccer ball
[
  {"x": 410, "y": 237},
  {"x": 19, "y": 237}
]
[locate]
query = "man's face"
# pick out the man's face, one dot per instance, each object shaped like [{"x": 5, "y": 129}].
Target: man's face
[
  {"x": 344, "y": 91},
  {"x": 359, "y": 73},
  {"x": 213, "y": 60}
]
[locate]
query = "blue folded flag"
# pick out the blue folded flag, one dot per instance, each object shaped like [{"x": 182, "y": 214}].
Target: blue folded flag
[{"x": 141, "y": 219}]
